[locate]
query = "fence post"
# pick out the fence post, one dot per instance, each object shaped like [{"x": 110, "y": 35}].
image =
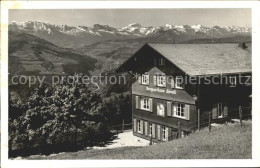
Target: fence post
[
  {"x": 209, "y": 121},
  {"x": 198, "y": 119},
  {"x": 123, "y": 125},
  {"x": 151, "y": 140},
  {"x": 240, "y": 115},
  {"x": 179, "y": 130}
]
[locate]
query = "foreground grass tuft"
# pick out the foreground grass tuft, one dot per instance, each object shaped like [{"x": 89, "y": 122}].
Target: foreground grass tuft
[{"x": 227, "y": 141}]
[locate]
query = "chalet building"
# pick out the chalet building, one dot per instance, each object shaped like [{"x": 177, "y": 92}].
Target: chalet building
[{"x": 161, "y": 100}]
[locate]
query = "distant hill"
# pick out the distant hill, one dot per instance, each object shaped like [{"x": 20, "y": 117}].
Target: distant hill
[
  {"x": 29, "y": 54},
  {"x": 78, "y": 36},
  {"x": 110, "y": 54},
  {"x": 38, "y": 47}
]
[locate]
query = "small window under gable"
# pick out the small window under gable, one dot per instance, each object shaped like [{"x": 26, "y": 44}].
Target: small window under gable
[
  {"x": 145, "y": 79},
  {"x": 179, "y": 82},
  {"x": 161, "y": 61},
  {"x": 172, "y": 83},
  {"x": 161, "y": 80}
]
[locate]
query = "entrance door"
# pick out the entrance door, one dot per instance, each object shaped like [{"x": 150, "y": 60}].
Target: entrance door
[{"x": 174, "y": 134}]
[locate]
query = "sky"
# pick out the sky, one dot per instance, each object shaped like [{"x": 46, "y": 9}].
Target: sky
[{"x": 146, "y": 17}]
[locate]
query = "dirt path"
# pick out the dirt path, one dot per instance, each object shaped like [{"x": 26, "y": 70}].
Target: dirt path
[{"x": 125, "y": 139}]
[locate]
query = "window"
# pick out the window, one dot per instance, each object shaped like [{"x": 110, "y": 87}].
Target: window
[
  {"x": 161, "y": 61},
  {"x": 172, "y": 83},
  {"x": 164, "y": 133},
  {"x": 219, "y": 110},
  {"x": 139, "y": 126},
  {"x": 150, "y": 129},
  {"x": 179, "y": 110},
  {"x": 145, "y": 79},
  {"x": 145, "y": 104},
  {"x": 161, "y": 80},
  {"x": 233, "y": 81},
  {"x": 178, "y": 82},
  {"x": 160, "y": 109}
]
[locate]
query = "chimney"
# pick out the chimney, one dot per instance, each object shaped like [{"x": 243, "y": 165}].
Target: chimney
[{"x": 243, "y": 45}]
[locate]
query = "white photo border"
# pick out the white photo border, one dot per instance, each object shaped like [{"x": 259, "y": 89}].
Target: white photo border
[{"x": 254, "y": 5}]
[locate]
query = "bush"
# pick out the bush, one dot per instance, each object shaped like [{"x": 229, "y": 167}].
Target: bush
[
  {"x": 55, "y": 119},
  {"x": 64, "y": 118}
]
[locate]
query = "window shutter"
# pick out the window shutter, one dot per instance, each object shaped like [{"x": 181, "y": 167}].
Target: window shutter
[
  {"x": 153, "y": 131},
  {"x": 183, "y": 84},
  {"x": 167, "y": 133},
  {"x": 148, "y": 128},
  {"x": 225, "y": 110},
  {"x": 187, "y": 112},
  {"x": 151, "y": 104},
  {"x": 140, "y": 79},
  {"x": 134, "y": 124},
  {"x": 148, "y": 78},
  {"x": 172, "y": 83},
  {"x": 214, "y": 112},
  {"x": 163, "y": 62},
  {"x": 158, "y": 132},
  {"x": 174, "y": 108},
  {"x": 142, "y": 127},
  {"x": 164, "y": 81},
  {"x": 169, "y": 109},
  {"x": 155, "y": 80},
  {"x": 137, "y": 104},
  {"x": 145, "y": 128}
]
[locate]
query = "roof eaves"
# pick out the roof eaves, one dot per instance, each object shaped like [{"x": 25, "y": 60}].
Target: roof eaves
[
  {"x": 118, "y": 68},
  {"x": 231, "y": 73}
]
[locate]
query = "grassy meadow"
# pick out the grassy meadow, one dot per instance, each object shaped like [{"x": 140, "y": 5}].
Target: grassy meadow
[{"x": 227, "y": 141}]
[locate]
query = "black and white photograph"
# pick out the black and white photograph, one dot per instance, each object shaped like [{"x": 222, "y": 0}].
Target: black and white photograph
[{"x": 133, "y": 83}]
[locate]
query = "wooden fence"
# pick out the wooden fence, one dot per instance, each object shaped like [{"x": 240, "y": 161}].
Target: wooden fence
[
  {"x": 239, "y": 116},
  {"x": 120, "y": 128}
]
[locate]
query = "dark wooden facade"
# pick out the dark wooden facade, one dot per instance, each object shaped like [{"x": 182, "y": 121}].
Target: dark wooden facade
[{"x": 198, "y": 100}]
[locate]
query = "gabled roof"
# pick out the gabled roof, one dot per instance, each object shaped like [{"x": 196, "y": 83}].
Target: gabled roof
[{"x": 206, "y": 59}]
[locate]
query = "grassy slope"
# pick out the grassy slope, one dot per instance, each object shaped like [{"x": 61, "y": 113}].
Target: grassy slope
[{"x": 224, "y": 142}]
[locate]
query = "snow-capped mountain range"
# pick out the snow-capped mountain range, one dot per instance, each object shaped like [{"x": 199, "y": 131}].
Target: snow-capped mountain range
[{"x": 79, "y": 35}]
